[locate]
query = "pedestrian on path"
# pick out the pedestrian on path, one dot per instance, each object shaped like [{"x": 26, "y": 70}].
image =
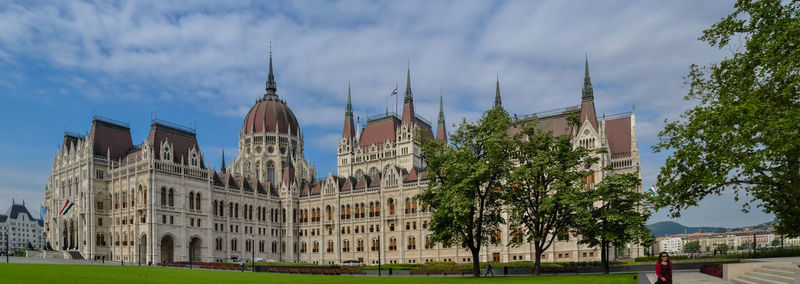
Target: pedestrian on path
[
  {"x": 664, "y": 269},
  {"x": 489, "y": 269}
]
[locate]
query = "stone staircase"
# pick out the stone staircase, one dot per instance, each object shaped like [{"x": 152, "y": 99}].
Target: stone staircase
[
  {"x": 76, "y": 255},
  {"x": 773, "y": 273}
]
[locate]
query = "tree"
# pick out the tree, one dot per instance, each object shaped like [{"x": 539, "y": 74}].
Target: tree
[
  {"x": 776, "y": 242},
  {"x": 618, "y": 217},
  {"x": 743, "y": 134},
  {"x": 546, "y": 188},
  {"x": 723, "y": 248},
  {"x": 691, "y": 247},
  {"x": 465, "y": 183}
]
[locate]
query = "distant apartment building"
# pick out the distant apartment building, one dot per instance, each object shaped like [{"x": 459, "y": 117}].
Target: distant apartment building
[
  {"x": 670, "y": 245},
  {"x": 20, "y": 229}
]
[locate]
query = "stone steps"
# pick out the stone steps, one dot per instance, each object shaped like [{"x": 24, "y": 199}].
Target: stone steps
[{"x": 770, "y": 274}]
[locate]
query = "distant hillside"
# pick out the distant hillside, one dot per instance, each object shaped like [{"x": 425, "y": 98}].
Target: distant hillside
[{"x": 664, "y": 228}]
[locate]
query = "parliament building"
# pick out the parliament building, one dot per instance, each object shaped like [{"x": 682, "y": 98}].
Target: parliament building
[{"x": 158, "y": 201}]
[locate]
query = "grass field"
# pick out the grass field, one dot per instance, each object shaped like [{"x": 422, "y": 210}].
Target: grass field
[{"x": 59, "y": 273}]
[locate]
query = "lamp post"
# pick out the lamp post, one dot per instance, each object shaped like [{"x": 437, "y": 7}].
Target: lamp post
[
  {"x": 253, "y": 259},
  {"x": 190, "y": 254},
  {"x": 6, "y": 245}
]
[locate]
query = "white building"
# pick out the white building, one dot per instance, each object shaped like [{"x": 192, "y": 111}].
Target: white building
[
  {"x": 670, "y": 245},
  {"x": 20, "y": 228}
]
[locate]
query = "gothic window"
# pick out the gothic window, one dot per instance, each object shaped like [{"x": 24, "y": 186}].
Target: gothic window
[
  {"x": 377, "y": 209},
  {"x": 165, "y": 155},
  {"x": 197, "y": 201},
  {"x": 194, "y": 159},
  {"x": 270, "y": 172},
  {"x": 391, "y": 206},
  {"x": 412, "y": 243},
  {"x": 163, "y": 196},
  {"x": 171, "y": 197},
  {"x": 372, "y": 172},
  {"x": 191, "y": 200},
  {"x": 214, "y": 204}
]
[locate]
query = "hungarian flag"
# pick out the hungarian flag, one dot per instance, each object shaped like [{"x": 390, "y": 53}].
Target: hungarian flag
[
  {"x": 394, "y": 92},
  {"x": 67, "y": 206},
  {"x": 653, "y": 190}
]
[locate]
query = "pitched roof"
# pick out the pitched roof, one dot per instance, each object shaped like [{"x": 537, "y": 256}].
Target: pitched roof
[
  {"x": 182, "y": 139},
  {"x": 379, "y": 131},
  {"x": 16, "y": 209},
  {"x": 555, "y": 123},
  {"x": 108, "y": 135},
  {"x": 376, "y": 181},
  {"x": 618, "y": 133},
  {"x": 3, "y": 218}
]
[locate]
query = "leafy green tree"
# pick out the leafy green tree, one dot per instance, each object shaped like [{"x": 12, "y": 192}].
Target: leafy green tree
[
  {"x": 465, "y": 181},
  {"x": 546, "y": 191},
  {"x": 743, "y": 134},
  {"x": 691, "y": 247},
  {"x": 776, "y": 242},
  {"x": 618, "y": 217},
  {"x": 723, "y": 248}
]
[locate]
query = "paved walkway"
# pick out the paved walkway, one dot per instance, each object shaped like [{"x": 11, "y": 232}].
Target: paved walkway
[{"x": 689, "y": 277}]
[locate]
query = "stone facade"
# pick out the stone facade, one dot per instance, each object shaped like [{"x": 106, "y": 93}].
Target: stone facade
[{"x": 158, "y": 202}]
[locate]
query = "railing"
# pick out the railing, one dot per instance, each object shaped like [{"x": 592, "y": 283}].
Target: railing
[
  {"x": 381, "y": 116},
  {"x": 551, "y": 112}
]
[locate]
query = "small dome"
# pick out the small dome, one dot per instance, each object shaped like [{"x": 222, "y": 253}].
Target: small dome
[{"x": 268, "y": 113}]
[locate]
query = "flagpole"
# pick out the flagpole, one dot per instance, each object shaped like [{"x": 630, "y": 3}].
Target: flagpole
[{"x": 395, "y": 99}]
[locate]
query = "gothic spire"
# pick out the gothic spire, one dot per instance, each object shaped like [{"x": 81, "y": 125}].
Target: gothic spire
[
  {"x": 271, "y": 86},
  {"x": 441, "y": 130},
  {"x": 409, "y": 96},
  {"x": 222, "y": 168},
  {"x": 348, "y": 111},
  {"x": 497, "y": 102},
  {"x": 588, "y": 91},
  {"x": 441, "y": 108}
]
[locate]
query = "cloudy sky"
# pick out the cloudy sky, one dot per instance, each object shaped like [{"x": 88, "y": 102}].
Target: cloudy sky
[{"x": 203, "y": 64}]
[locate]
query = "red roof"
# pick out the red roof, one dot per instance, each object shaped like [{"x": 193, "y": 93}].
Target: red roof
[
  {"x": 110, "y": 136},
  {"x": 555, "y": 124},
  {"x": 268, "y": 111},
  {"x": 182, "y": 141},
  {"x": 587, "y": 112},
  {"x": 618, "y": 133},
  {"x": 378, "y": 132}
]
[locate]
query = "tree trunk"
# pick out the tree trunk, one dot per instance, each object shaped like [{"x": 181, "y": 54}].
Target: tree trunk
[
  {"x": 476, "y": 264},
  {"x": 604, "y": 256},
  {"x": 537, "y": 263}
]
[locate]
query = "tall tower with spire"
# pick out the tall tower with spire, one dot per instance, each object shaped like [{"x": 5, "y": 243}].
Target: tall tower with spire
[
  {"x": 408, "y": 118},
  {"x": 222, "y": 167},
  {"x": 498, "y": 103},
  {"x": 587, "y": 99},
  {"x": 271, "y": 86},
  {"x": 441, "y": 130},
  {"x": 348, "y": 132}
]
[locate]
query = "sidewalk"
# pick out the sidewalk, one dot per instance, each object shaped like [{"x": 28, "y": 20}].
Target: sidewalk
[{"x": 687, "y": 277}]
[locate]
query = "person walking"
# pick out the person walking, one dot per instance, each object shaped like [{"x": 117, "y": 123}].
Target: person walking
[
  {"x": 664, "y": 269},
  {"x": 241, "y": 264},
  {"x": 489, "y": 269}
]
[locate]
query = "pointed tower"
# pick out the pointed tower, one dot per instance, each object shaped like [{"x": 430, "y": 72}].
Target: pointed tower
[
  {"x": 497, "y": 102},
  {"x": 271, "y": 86},
  {"x": 408, "y": 103},
  {"x": 348, "y": 132},
  {"x": 441, "y": 131},
  {"x": 222, "y": 168},
  {"x": 587, "y": 99}
]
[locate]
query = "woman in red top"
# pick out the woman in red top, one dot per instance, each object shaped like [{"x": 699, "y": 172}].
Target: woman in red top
[{"x": 664, "y": 269}]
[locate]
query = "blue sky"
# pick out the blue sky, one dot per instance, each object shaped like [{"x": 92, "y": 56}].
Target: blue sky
[{"x": 203, "y": 64}]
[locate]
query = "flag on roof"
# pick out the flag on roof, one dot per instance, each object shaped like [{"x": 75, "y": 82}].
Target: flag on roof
[
  {"x": 67, "y": 206},
  {"x": 653, "y": 190},
  {"x": 394, "y": 92}
]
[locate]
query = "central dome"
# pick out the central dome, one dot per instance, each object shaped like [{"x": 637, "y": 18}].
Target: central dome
[{"x": 270, "y": 114}]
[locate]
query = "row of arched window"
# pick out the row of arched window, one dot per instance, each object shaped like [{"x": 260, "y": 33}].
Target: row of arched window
[{"x": 248, "y": 211}]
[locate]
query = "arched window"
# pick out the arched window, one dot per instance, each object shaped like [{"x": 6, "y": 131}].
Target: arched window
[
  {"x": 391, "y": 206},
  {"x": 236, "y": 210},
  {"x": 171, "y": 197},
  {"x": 163, "y": 196},
  {"x": 191, "y": 200},
  {"x": 270, "y": 172},
  {"x": 412, "y": 243},
  {"x": 197, "y": 201},
  {"x": 230, "y": 209},
  {"x": 377, "y": 209},
  {"x": 363, "y": 210},
  {"x": 371, "y": 209},
  {"x": 165, "y": 154},
  {"x": 357, "y": 210},
  {"x": 392, "y": 243},
  {"x": 214, "y": 204},
  {"x": 328, "y": 211},
  {"x": 408, "y": 205},
  {"x": 372, "y": 172}
]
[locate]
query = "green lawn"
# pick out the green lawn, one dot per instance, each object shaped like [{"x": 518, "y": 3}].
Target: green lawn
[{"x": 56, "y": 273}]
